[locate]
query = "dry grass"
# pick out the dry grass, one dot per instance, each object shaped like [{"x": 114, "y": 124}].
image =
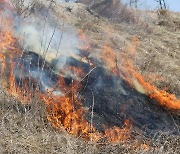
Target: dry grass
[
  {"x": 167, "y": 20},
  {"x": 25, "y": 129},
  {"x": 112, "y": 9}
]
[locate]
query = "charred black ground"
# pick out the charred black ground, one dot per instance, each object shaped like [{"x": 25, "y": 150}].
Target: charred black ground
[{"x": 114, "y": 99}]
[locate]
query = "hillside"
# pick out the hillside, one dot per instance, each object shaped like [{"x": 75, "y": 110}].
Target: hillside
[
  {"x": 152, "y": 39},
  {"x": 158, "y": 35}
]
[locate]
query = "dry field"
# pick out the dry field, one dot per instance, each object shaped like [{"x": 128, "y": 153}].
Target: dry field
[{"x": 25, "y": 129}]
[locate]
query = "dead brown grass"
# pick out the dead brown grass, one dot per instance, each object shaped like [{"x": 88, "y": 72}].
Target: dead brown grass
[
  {"x": 112, "y": 9},
  {"x": 25, "y": 129},
  {"x": 168, "y": 20}
]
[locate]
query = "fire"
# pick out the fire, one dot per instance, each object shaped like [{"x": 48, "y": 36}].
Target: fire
[
  {"x": 9, "y": 50},
  {"x": 2, "y": 60},
  {"x": 66, "y": 112},
  {"x": 133, "y": 77},
  {"x": 122, "y": 62},
  {"x": 141, "y": 145},
  {"x": 75, "y": 72},
  {"x": 6, "y": 33},
  {"x": 116, "y": 134},
  {"x": 85, "y": 45},
  {"x": 6, "y": 39},
  {"x": 62, "y": 111},
  {"x": 109, "y": 58},
  {"x": 145, "y": 147},
  {"x": 165, "y": 99},
  {"x": 23, "y": 94}
]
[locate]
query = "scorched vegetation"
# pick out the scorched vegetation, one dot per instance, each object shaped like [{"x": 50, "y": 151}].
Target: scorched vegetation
[{"x": 88, "y": 77}]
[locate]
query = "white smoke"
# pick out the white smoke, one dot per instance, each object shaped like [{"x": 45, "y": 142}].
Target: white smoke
[
  {"x": 48, "y": 36},
  {"x": 49, "y": 41}
]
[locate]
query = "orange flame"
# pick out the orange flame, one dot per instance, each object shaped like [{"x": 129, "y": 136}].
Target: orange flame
[
  {"x": 6, "y": 34},
  {"x": 109, "y": 59},
  {"x": 9, "y": 51},
  {"x": 164, "y": 98},
  {"x": 123, "y": 62},
  {"x": 83, "y": 38},
  {"x": 2, "y": 60},
  {"x": 62, "y": 111},
  {"x": 116, "y": 134},
  {"x": 22, "y": 94},
  {"x": 65, "y": 113}
]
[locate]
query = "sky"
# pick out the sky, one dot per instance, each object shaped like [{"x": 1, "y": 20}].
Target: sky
[{"x": 173, "y": 5}]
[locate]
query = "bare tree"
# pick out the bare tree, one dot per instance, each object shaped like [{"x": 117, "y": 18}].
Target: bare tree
[
  {"x": 162, "y": 4},
  {"x": 133, "y": 3}
]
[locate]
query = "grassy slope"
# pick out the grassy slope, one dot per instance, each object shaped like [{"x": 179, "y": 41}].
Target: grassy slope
[
  {"x": 158, "y": 52},
  {"x": 24, "y": 128}
]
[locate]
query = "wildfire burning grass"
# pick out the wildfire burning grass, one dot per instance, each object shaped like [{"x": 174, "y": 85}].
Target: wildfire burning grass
[
  {"x": 66, "y": 111},
  {"x": 62, "y": 112},
  {"x": 135, "y": 79}
]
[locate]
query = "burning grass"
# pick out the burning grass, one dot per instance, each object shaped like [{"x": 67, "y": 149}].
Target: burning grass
[
  {"x": 62, "y": 111},
  {"x": 99, "y": 119},
  {"x": 25, "y": 129}
]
